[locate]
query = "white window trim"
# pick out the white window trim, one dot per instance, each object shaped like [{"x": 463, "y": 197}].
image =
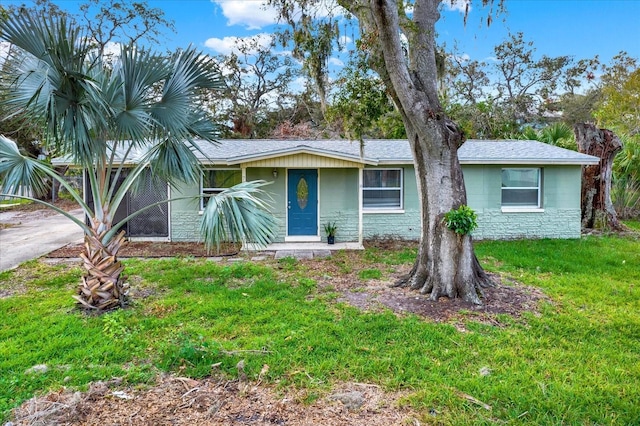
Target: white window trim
[
  {"x": 523, "y": 209},
  {"x": 384, "y": 210},
  {"x": 211, "y": 190}
]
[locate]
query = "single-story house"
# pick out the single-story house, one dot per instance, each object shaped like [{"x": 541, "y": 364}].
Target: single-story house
[{"x": 519, "y": 189}]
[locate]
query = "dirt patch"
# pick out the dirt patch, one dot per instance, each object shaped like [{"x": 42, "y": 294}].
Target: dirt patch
[
  {"x": 184, "y": 401},
  {"x": 506, "y": 297},
  {"x": 512, "y": 299},
  {"x": 155, "y": 250}
]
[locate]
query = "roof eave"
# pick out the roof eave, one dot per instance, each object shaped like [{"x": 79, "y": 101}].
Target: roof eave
[
  {"x": 298, "y": 150},
  {"x": 391, "y": 161},
  {"x": 532, "y": 161}
]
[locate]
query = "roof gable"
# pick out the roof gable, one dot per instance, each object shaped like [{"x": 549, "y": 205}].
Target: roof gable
[{"x": 304, "y": 160}]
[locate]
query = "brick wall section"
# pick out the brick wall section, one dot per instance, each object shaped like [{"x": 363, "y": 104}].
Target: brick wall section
[
  {"x": 395, "y": 225},
  {"x": 560, "y": 219},
  {"x": 552, "y": 223},
  {"x": 492, "y": 224},
  {"x": 185, "y": 226},
  {"x": 347, "y": 223}
]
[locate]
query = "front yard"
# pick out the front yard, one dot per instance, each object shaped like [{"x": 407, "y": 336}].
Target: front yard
[{"x": 282, "y": 342}]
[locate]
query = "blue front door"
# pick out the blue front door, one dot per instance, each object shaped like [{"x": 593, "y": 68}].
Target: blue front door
[{"x": 302, "y": 202}]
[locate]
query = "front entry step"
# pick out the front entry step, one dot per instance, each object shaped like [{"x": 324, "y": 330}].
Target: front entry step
[{"x": 302, "y": 254}]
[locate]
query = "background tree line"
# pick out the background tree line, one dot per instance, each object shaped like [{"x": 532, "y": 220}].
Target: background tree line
[{"x": 516, "y": 94}]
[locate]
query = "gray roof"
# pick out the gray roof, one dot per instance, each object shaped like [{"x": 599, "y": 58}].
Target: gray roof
[
  {"x": 519, "y": 152},
  {"x": 377, "y": 151},
  {"x": 382, "y": 152}
]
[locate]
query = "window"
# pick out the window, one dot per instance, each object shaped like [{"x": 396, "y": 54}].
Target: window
[
  {"x": 521, "y": 188},
  {"x": 382, "y": 189},
  {"x": 215, "y": 181}
]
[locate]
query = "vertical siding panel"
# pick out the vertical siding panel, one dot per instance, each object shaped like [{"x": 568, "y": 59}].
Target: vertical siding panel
[{"x": 303, "y": 161}]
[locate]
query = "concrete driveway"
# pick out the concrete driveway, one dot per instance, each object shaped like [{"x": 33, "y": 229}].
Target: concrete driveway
[{"x": 33, "y": 234}]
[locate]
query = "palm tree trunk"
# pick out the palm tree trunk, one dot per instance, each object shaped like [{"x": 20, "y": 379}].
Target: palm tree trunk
[{"x": 103, "y": 287}]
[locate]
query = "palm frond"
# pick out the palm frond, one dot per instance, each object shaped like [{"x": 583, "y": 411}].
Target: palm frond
[
  {"x": 202, "y": 70},
  {"x": 190, "y": 71},
  {"x": 19, "y": 174},
  {"x": 202, "y": 125},
  {"x": 135, "y": 76},
  {"x": 174, "y": 161},
  {"x": 556, "y": 132},
  {"x": 239, "y": 214},
  {"x": 54, "y": 81}
]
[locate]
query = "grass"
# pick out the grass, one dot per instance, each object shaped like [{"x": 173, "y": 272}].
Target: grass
[
  {"x": 578, "y": 362},
  {"x": 633, "y": 224}
]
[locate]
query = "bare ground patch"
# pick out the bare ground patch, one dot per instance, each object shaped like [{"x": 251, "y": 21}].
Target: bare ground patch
[
  {"x": 506, "y": 297},
  {"x": 511, "y": 299},
  {"x": 184, "y": 401}
]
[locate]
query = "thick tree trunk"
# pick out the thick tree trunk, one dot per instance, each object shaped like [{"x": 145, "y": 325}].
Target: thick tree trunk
[
  {"x": 103, "y": 287},
  {"x": 597, "y": 207},
  {"x": 446, "y": 264}
]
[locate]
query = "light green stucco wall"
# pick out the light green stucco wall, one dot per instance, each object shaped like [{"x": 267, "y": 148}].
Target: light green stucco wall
[
  {"x": 185, "y": 214},
  {"x": 339, "y": 202},
  {"x": 404, "y": 225},
  {"x": 338, "y": 198},
  {"x": 560, "y": 215}
]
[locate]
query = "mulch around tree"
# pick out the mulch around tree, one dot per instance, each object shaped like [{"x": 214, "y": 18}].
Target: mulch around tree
[
  {"x": 176, "y": 401},
  {"x": 506, "y": 297},
  {"x": 148, "y": 249}
]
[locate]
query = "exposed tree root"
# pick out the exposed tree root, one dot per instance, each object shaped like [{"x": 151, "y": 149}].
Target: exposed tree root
[{"x": 470, "y": 289}]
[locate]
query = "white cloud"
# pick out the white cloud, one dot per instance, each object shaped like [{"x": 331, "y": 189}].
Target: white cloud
[
  {"x": 329, "y": 7},
  {"x": 253, "y": 15},
  {"x": 345, "y": 40},
  {"x": 112, "y": 48},
  {"x": 462, "y": 58},
  {"x": 226, "y": 45},
  {"x": 298, "y": 85},
  {"x": 335, "y": 61},
  {"x": 458, "y": 5}
]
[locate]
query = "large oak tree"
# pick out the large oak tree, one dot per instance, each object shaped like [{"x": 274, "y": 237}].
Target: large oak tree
[{"x": 399, "y": 37}]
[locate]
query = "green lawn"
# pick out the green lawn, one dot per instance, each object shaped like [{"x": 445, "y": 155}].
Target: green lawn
[
  {"x": 633, "y": 224},
  {"x": 577, "y": 362}
]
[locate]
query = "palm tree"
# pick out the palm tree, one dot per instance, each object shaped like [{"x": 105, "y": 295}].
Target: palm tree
[
  {"x": 559, "y": 134},
  {"x": 103, "y": 114}
]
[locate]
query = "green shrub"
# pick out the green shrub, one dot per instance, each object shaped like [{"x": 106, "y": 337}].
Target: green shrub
[{"x": 461, "y": 221}]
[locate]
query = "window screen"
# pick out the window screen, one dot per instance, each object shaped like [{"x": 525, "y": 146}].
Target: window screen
[{"x": 382, "y": 189}]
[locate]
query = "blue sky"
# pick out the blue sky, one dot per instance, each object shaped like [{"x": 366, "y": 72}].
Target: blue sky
[{"x": 580, "y": 28}]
